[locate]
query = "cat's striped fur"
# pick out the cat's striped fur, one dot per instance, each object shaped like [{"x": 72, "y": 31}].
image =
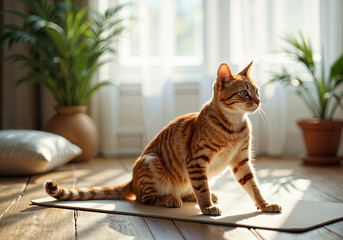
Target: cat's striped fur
[{"x": 179, "y": 161}]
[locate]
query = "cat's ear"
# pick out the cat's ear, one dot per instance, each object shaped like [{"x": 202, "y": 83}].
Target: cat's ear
[
  {"x": 224, "y": 73},
  {"x": 246, "y": 71}
]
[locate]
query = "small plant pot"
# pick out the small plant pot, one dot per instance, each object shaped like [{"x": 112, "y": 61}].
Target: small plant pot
[
  {"x": 322, "y": 139},
  {"x": 74, "y": 124}
]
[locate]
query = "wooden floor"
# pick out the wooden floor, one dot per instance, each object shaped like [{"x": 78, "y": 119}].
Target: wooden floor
[{"x": 278, "y": 177}]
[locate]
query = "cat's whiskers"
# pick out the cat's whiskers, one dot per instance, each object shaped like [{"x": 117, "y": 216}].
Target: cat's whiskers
[{"x": 263, "y": 114}]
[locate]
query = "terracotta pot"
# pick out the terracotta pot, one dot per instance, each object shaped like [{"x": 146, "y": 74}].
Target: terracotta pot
[
  {"x": 74, "y": 124},
  {"x": 322, "y": 139}
]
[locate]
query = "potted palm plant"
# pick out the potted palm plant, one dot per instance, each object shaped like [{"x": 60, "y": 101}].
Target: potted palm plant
[
  {"x": 67, "y": 44},
  {"x": 321, "y": 133}
]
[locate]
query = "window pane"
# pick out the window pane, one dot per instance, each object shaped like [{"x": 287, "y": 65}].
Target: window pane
[
  {"x": 154, "y": 21},
  {"x": 144, "y": 20},
  {"x": 133, "y": 29},
  {"x": 189, "y": 27},
  {"x": 260, "y": 29}
]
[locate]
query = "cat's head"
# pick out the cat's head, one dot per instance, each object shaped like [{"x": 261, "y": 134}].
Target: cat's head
[{"x": 236, "y": 93}]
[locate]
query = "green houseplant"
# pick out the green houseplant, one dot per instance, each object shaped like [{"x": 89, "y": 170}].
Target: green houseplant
[
  {"x": 323, "y": 96},
  {"x": 67, "y": 45}
]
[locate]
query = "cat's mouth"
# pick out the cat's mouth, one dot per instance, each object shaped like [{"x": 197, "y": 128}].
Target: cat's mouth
[{"x": 252, "y": 108}]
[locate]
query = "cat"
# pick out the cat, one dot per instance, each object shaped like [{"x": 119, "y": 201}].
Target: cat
[{"x": 178, "y": 163}]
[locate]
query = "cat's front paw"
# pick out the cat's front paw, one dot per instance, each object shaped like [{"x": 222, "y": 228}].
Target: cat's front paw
[
  {"x": 212, "y": 211},
  {"x": 271, "y": 207}
]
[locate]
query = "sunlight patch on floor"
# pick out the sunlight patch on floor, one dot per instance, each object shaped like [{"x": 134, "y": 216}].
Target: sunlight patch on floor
[
  {"x": 264, "y": 173},
  {"x": 282, "y": 183}
]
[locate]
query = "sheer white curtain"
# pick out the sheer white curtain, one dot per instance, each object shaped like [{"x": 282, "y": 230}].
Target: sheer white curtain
[
  {"x": 331, "y": 30},
  {"x": 257, "y": 27},
  {"x": 155, "y": 24},
  {"x": 163, "y": 48},
  {"x": 104, "y": 105}
]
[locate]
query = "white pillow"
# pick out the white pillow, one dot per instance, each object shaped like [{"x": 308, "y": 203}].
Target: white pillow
[{"x": 33, "y": 152}]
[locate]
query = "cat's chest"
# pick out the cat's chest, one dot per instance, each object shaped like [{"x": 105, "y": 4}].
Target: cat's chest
[{"x": 221, "y": 159}]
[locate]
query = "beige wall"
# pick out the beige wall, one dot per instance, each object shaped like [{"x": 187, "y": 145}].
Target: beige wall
[
  {"x": 18, "y": 104},
  {"x": 24, "y": 106}
]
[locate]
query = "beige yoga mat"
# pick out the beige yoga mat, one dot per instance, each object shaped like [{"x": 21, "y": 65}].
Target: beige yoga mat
[{"x": 238, "y": 210}]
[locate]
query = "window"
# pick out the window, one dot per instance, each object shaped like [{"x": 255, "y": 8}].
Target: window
[
  {"x": 259, "y": 25},
  {"x": 161, "y": 37},
  {"x": 189, "y": 28}
]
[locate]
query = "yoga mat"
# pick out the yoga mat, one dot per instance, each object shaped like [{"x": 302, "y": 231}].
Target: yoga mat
[{"x": 238, "y": 210}]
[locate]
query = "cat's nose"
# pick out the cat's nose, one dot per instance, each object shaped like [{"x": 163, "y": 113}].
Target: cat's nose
[{"x": 257, "y": 101}]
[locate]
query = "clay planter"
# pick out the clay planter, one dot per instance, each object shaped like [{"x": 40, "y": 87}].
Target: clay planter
[
  {"x": 74, "y": 124},
  {"x": 322, "y": 139}
]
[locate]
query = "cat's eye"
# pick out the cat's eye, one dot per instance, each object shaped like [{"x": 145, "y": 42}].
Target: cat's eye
[
  {"x": 244, "y": 93},
  {"x": 257, "y": 92}
]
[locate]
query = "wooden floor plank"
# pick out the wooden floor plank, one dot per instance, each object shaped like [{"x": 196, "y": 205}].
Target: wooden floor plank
[
  {"x": 296, "y": 185},
  {"x": 163, "y": 229},
  {"x": 100, "y": 172},
  {"x": 325, "y": 180},
  {"x": 92, "y": 225},
  {"x": 199, "y": 231},
  {"x": 26, "y": 221},
  {"x": 319, "y": 233},
  {"x": 336, "y": 228},
  {"x": 128, "y": 163},
  {"x": 12, "y": 189},
  {"x": 320, "y": 177}
]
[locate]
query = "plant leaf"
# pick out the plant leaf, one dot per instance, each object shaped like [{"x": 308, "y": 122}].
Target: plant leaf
[
  {"x": 58, "y": 36},
  {"x": 95, "y": 88},
  {"x": 337, "y": 68}
]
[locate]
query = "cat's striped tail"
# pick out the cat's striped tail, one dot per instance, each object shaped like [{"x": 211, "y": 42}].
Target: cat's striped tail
[{"x": 88, "y": 193}]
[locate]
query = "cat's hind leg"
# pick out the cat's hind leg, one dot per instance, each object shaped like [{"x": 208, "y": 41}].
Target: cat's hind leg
[
  {"x": 167, "y": 201},
  {"x": 153, "y": 183},
  {"x": 190, "y": 198}
]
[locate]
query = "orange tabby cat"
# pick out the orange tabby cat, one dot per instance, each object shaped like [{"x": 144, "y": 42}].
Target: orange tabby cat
[{"x": 179, "y": 161}]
